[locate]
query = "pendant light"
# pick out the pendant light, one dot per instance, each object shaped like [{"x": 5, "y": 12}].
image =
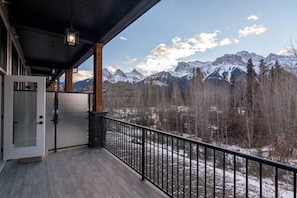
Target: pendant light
[{"x": 71, "y": 36}]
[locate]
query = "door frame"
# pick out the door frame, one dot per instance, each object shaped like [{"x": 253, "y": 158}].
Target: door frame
[
  {"x": 1, "y": 114},
  {"x": 9, "y": 151}
]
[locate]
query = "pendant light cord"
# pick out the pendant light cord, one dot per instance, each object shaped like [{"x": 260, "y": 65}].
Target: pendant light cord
[{"x": 71, "y": 14}]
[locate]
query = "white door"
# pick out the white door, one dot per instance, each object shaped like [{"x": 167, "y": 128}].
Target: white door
[{"x": 24, "y": 117}]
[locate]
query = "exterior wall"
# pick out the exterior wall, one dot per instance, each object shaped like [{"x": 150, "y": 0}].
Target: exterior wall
[{"x": 8, "y": 41}]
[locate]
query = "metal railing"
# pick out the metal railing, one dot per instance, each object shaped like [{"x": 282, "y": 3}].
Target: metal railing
[{"x": 183, "y": 167}]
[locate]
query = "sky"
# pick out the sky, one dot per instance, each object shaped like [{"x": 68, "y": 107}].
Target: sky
[{"x": 190, "y": 30}]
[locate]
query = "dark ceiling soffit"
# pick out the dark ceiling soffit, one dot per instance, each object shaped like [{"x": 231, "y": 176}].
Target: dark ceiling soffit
[
  {"x": 44, "y": 64},
  {"x": 51, "y": 34},
  {"x": 127, "y": 20},
  {"x": 124, "y": 23},
  {"x": 84, "y": 57}
]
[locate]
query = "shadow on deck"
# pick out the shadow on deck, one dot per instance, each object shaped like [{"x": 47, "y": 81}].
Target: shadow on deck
[{"x": 75, "y": 173}]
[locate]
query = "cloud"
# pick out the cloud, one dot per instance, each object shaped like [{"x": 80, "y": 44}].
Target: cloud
[
  {"x": 236, "y": 41},
  {"x": 225, "y": 41},
  {"x": 287, "y": 52},
  {"x": 204, "y": 41},
  {"x": 82, "y": 75},
  {"x": 165, "y": 57},
  {"x": 123, "y": 38},
  {"x": 252, "y": 30},
  {"x": 130, "y": 60},
  {"x": 253, "y": 18}
]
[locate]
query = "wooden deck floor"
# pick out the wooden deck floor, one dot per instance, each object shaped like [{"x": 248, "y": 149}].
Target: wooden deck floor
[{"x": 75, "y": 173}]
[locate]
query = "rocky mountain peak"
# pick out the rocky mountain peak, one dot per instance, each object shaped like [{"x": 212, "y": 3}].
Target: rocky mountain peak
[
  {"x": 120, "y": 73},
  {"x": 232, "y": 59}
]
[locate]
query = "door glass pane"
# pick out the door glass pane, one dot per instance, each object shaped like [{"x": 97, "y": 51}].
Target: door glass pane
[{"x": 24, "y": 114}]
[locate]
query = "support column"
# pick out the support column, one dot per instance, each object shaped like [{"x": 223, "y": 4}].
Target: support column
[
  {"x": 97, "y": 86},
  {"x": 68, "y": 80}
]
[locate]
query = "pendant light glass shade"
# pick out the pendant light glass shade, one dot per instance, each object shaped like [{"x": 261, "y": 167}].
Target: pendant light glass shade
[{"x": 71, "y": 37}]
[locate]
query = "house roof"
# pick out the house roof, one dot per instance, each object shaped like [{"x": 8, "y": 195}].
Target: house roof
[{"x": 40, "y": 26}]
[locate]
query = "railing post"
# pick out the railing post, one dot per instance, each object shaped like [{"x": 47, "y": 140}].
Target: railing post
[{"x": 143, "y": 155}]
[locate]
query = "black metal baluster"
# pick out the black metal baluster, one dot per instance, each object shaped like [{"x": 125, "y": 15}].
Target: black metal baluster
[
  {"x": 125, "y": 143},
  {"x": 129, "y": 135},
  {"x": 147, "y": 153},
  {"x": 197, "y": 153},
  {"x": 214, "y": 173},
  {"x": 154, "y": 157},
  {"x": 184, "y": 169},
  {"x": 172, "y": 167},
  {"x": 295, "y": 186},
  {"x": 167, "y": 168},
  {"x": 117, "y": 139},
  {"x": 246, "y": 178},
  {"x": 276, "y": 182},
  {"x": 143, "y": 154},
  {"x": 133, "y": 147},
  {"x": 190, "y": 189},
  {"x": 162, "y": 143},
  {"x": 205, "y": 175},
  {"x": 234, "y": 176},
  {"x": 151, "y": 161},
  {"x": 118, "y": 148},
  {"x": 224, "y": 173},
  {"x": 177, "y": 166},
  {"x": 158, "y": 163},
  {"x": 121, "y": 140},
  {"x": 260, "y": 175}
]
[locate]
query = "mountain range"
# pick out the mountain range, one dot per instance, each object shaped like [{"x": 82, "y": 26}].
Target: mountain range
[{"x": 221, "y": 68}]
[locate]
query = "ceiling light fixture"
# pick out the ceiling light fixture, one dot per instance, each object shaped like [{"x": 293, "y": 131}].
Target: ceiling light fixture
[{"x": 71, "y": 36}]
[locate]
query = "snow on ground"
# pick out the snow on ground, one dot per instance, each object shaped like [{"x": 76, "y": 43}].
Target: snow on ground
[{"x": 179, "y": 163}]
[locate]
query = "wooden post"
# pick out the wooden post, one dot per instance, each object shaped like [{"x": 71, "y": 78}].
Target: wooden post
[
  {"x": 97, "y": 86},
  {"x": 68, "y": 80}
]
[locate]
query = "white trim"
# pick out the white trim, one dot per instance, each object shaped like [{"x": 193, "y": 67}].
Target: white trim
[
  {"x": 9, "y": 151},
  {"x": 1, "y": 113}
]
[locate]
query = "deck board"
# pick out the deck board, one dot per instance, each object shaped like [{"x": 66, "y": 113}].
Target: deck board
[{"x": 75, "y": 173}]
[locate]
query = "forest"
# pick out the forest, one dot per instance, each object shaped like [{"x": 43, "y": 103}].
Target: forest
[{"x": 253, "y": 111}]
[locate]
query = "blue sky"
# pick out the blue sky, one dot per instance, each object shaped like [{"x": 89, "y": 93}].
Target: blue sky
[{"x": 187, "y": 30}]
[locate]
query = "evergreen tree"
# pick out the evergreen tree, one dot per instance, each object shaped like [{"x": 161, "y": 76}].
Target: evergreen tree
[
  {"x": 250, "y": 86},
  {"x": 263, "y": 70}
]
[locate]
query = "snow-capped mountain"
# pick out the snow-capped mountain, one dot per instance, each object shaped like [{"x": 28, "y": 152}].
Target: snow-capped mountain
[
  {"x": 161, "y": 79},
  {"x": 120, "y": 76},
  {"x": 221, "y": 68},
  {"x": 135, "y": 76},
  {"x": 106, "y": 74},
  {"x": 232, "y": 64}
]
